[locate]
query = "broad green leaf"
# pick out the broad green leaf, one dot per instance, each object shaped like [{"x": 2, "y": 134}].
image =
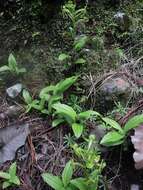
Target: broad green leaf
[
  {"x": 133, "y": 122},
  {"x": 15, "y": 180},
  {"x": 112, "y": 138},
  {"x": 4, "y": 175},
  {"x": 88, "y": 114},
  {"x": 67, "y": 173},
  {"x": 4, "y": 68},
  {"x": 27, "y": 97},
  {"x": 77, "y": 129},
  {"x": 57, "y": 122},
  {"x": 113, "y": 124},
  {"x": 80, "y": 43},
  {"x": 54, "y": 99},
  {"x": 62, "y": 86},
  {"x": 6, "y": 184},
  {"x": 79, "y": 183},
  {"x": 12, "y": 62},
  {"x": 66, "y": 111},
  {"x": 53, "y": 181},
  {"x": 46, "y": 91},
  {"x": 12, "y": 169},
  {"x": 63, "y": 56},
  {"x": 80, "y": 61}
]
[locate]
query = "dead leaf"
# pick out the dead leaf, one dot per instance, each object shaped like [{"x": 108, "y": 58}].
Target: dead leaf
[
  {"x": 12, "y": 138},
  {"x": 137, "y": 140}
]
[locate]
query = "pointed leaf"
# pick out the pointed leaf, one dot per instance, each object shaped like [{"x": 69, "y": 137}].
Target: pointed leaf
[
  {"x": 27, "y": 97},
  {"x": 12, "y": 62},
  {"x": 57, "y": 122},
  {"x": 6, "y": 184},
  {"x": 63, "y": 56},
  {"x": 79, "y": 183},
  {"x": 113, "y": 124},
  {"x": 67, "y": 173},
  {"x": 53, "y": 181},
  {"x": 15, "y": 180},
  {"x": 4, "y": 175},
  {"x": 62, "y": 86},
  {"x": 12, "y": 169},
  {"x": 77, "y": 129},
  {"x": 133, "y": 122},
  {"x": 66, "y": 111},
  {"x": 4, "y": 68},
  {"x": 112, "y": 138},
  {"x": 80, "y": 61},
  {"x": 88, "y": 114},
  {"x": 46, "y": 91},
  {"x": 80, "y": 43}
]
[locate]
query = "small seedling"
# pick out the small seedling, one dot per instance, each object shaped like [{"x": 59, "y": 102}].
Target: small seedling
[
  {"x": 48, "y": 96},
  {"x": 10, "y": 178},
  {"x": 12, "y": 66},
  {"x": 77, "y": 121},
  {"x": 76, "y": 16},
  {"x": 118, "y": 134}
]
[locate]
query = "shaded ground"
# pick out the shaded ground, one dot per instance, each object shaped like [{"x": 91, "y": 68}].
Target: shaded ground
[{"x": 37, "y": 47}]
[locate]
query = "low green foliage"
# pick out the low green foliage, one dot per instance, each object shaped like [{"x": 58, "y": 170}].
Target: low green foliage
[
  {"x": 12, "y": 66},
  {"x": 118, "y": 134},
  {"x": 88, "y": 160},
  {"x": 48, "y": 96},
  {"x": 10, "y": 178},
  {"x": 77, "y": 121},
  {"x": 76, "y": 16}
]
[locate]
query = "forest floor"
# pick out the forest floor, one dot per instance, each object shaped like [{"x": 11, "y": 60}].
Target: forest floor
[{"x": 111, "y": 52}]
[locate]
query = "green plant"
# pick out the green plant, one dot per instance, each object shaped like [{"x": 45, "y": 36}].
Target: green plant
[
  {"x": 12, "y": 66},
  {"x": 77, "y": 121},
  {"x": 10, "y": 177},
  {"x": 88, "y": 161},
  {"x": 48, "y": 96},
  {"x": 118, "y": 134},
  {"x": 63, "y": 182},
  {"x": 76, "y": 16}
]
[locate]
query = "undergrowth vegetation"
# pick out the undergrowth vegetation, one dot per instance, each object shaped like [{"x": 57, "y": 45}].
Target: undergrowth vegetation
[{"x": 99, "y": 46}]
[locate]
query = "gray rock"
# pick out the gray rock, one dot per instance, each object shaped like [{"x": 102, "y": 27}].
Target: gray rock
[
  {"x": 122, "y": 20},
  {"x": 135, "y": 187},
  {"x": 14, "y": 90},
  {"x": 116, "y": 87}
]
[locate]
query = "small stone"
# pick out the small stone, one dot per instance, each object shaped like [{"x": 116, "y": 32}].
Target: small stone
[
  {"x": 134, "y": 187},
  {"x": 122, "y": 20},
  {"x": 114, "y": 88},
  {"x": 14, "y": 90}
]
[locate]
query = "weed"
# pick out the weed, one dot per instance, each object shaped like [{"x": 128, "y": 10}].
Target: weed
[
  {"x": 89, "y": 162},
  {"x": 10, "y": 177},
  {"x": 48, "y": 96},
  {"x": 76, "y": 16},
  {"x": 117, "y": 135},
  {"x": 12, "y": 66},
  {"x": 77, "y": 121}
]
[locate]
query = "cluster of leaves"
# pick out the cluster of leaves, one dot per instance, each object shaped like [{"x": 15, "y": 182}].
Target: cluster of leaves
[
  {"x": 75, "y": 15},
  {"x": 118, "y": 134},
  {"x": 88, "y": 160},
  {"x": 77, "y": 121},
  {"x": 12, "y": 66},
  {"x": 10, "y": 178},
  {"x": 48, "y": 96}
]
